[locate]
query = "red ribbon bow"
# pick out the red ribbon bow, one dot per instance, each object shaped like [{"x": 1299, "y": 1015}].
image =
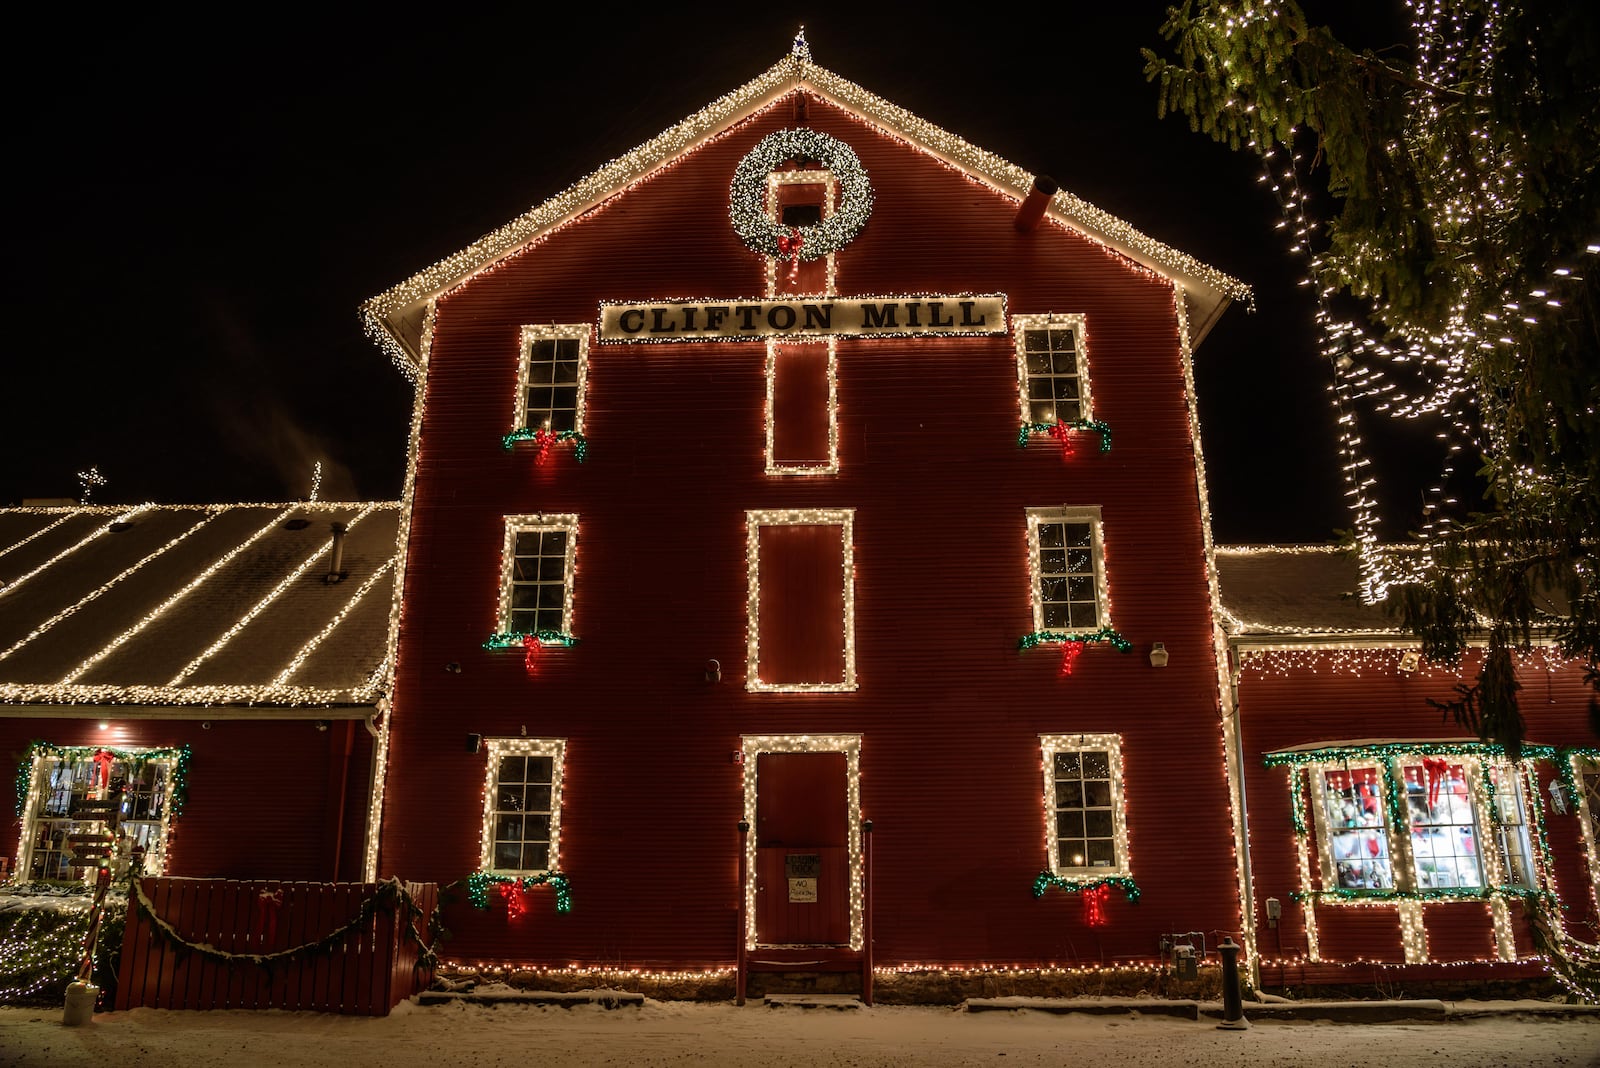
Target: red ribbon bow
[
  {"x": 1059, "y": 432},
  {"x": 1070, "y": 651},
  {"x": 543, "y": 438},
  {"x": 101, "y": 775},
  {"x": 530, "y": 653},
  {"x": 1094, "y": 905},
  {"x": 516, "y": 899},
  {"x": 789, "y": 249},
  {"x": 1435, "y": 768}
]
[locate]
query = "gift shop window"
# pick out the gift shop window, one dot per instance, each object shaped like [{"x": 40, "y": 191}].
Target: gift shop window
[
  {"x": 536, "y": 575},
  {"x": 1508, "y": 813},
  {"x": 1052, "y": 368},
  {"x": 522, "y": 805},
  {"x": 1069, "y": 588},
  {"x": 1586, "y": 776},
  {"x": 1355, "y": 833},
  {"x": 90, "y": 806},
  {"x": 551, "y": 378},
  {"x": 1088, "y": 835},
  {"x": 1446, "y": 849}
]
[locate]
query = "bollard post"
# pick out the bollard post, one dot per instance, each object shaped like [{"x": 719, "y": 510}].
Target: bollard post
[{"x": 1232, "y": 1003}]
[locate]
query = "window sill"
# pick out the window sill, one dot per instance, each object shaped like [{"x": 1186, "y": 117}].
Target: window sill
[
  {"x": 1059, "y": 637},
  {"x": 519, "y": 640},
  {"x": 543, "y": 439},
  {"x": 1060, "y": 432},
  {"x": 1075, "y": 884}
]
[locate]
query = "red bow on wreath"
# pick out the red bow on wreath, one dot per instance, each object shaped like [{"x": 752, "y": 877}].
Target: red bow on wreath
[
  {"x": 789, "y": 249},
  {"x": 101, "y": 775},
  {"x": 1094, "y": 905},
  {"x": 1435, "y": 768},
  {"x": 530, "y": 653}
]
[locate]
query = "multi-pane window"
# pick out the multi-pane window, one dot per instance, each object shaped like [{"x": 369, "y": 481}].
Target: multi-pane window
[
  {"x": 536, "y": 589},
  {"x": 1510, "y": 819},
  {"x": 1050, "y": 365},
  {"x": 93, "y": 793},
  {"x": 550, "y": 385},
  {"x": 522, "y": 805},
  {"x": 1445, "y": 849},
  {"x": 1465, "y": 823},
  {"x": 1068, "y": 583},
  {"x": 1357, "y": 832},
  {"x": 1083, "y": 804}
]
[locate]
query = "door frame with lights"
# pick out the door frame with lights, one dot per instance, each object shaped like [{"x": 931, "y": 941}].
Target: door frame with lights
[{"x": 754, "y": 746}]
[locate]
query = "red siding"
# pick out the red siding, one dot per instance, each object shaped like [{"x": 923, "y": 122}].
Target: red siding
[
  {"x": 949, "y": 712},
  {"x": 263, "y": 797},
  {"x": 801, "y": 608},
  {"x": 1324, "y": 703}
]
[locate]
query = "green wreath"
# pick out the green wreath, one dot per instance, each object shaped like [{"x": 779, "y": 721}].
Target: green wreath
[{"x": 747, "y": 194}]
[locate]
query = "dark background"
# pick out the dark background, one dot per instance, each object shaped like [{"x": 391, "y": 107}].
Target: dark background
[{"x": 199, "y": 207}]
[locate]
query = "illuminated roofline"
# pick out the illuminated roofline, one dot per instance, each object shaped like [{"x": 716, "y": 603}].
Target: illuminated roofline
[{"x": 394, "y": 318}]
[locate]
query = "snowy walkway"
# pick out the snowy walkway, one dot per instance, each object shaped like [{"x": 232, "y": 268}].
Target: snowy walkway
[{"x": 675, "y": 1033}]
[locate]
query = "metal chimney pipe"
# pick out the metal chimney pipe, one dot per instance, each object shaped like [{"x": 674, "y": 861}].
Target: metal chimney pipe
[
  {"x": 336, "y": 572},
  {"x": 1032, "y": 208}
]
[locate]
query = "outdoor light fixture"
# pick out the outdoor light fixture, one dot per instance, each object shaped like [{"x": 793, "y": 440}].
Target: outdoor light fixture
[
  {"x": 1158, "y": 654},
  {"x": 1410, "y": 661}
]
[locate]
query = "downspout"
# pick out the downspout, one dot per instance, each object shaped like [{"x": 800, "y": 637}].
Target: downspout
[
  {"x": 1236, "y": 773},
  {"x": 344, "y": 789}
]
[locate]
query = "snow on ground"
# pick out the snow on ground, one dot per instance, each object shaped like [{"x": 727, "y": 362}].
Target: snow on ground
[{"x": 682, "y": 1033}]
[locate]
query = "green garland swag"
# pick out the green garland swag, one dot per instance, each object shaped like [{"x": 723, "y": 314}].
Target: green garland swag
[
  {"x": 1437, "y": 893},
  {"x": 392, "y": 896},
  {"x": 478, "y": 884},
  {"x": 1030, "y": 429},
  {"x": 177, "y": 782},
  {"x": 1045, "y": 880},
  {"x": 516, "y": 639},
  {"x": 1051, "y": 637},
  {"x": 580, "y": 444}
]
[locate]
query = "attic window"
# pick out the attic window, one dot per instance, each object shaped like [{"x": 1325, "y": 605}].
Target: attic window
[
  {"x": 297, "y": 524},
  {"x": 802, "y": 214}
]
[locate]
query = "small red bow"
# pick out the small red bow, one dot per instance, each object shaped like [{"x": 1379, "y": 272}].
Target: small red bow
[
  {"x": 530, "y": 653},
  {"x": 1059, "y": 431},
  {"x": 1070, "y": 651},
  {"x": 543, "y": 438},
  {"x": 102, "y": 768},
  {"x": 789, "y": 249},
  {"x": 1435, "y": 768},
  {"x": 1094, "y": 905}
]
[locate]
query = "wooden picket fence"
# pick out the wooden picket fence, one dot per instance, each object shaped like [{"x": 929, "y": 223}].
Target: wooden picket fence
[{"x": 226, "y": 944}]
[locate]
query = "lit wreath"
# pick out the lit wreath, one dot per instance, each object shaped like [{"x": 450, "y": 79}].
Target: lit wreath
[{"x": 747, "y": 194}]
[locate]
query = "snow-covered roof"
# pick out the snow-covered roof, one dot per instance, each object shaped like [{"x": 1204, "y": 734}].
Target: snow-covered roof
[
  {"x": 173, "y": 607},
  {"x": 1290, "y": 592}
]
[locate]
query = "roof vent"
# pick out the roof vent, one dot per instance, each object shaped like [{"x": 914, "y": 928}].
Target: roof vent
[
  {"x": 336, "y": 572},
  {"x": 297, "y": 524},
  {"x": 119, "y": 526}
]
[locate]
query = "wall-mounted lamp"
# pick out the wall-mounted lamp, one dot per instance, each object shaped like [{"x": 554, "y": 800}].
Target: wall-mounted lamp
[
  {"x": 1158, "y": 654},
  {"x": 1274, "y": 911},
  {"x": 1558, "y": 797},
  {"x": 713, "y": 671},
  {"x": 1410, "y": 661},
  {"x": 322, "y": 724},
  {"x": 453, "y": 667}
]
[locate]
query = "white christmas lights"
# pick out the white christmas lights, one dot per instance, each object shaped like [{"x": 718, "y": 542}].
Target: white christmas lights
[
  {"x": 266, "y": 601},
  {"x": 798, "y": 467},
  {"x": 41, "y": 532},
  {"x": 556, "y": 750},
  {"x": 1049, "y": 746},
  {"x": 122, "y": 516},
  {"x": 578, "y": 332},
  {"x": 305, "y": 651},
  {"x": 848, "y": 744},
  {"x": 844, "y": 518}
]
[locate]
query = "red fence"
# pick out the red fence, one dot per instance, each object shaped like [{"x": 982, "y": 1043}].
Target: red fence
[{"x": 223, "y": 944}]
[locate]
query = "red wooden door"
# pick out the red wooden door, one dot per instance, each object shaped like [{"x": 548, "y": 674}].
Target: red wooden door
[{"x": 802, "y": 849}]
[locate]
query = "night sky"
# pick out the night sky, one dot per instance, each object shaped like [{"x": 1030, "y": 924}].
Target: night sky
[{"x": 198, "y": 211}]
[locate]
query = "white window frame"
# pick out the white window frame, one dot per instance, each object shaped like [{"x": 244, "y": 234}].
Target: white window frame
[
  {"x": 1396, "y": 868},
  {"x": 844, "y": 519},
  {"x": 1038, "y": 517},
  {"x": 498, "y": 749},
  {"x": 529, "y": 524},
  {"x": 822, "y": 177},
  {"x": 1587, "y": 806},
  {"x": 1020, "y": 325},
  {"x": 45, "y": 792},
  {"x": 578, "y": 332},
  {"x": 1400, "y": 852},
  {"x": 1052, "y": 745}
]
